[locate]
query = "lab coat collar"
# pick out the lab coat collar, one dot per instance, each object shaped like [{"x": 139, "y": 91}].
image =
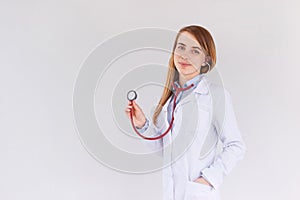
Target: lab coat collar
[
  {"x": 202, "y": 89},
  {"x": 194, "y": 81}
]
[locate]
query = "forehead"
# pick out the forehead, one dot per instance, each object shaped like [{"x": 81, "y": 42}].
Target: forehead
[{"x": 188, "y": 39}]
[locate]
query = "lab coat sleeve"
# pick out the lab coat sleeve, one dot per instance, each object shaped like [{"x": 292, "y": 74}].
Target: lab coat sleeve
[
  {"x": 144, "y": 128},
  {"x": 233, "y": 145},
  {"x": 151, "y": 130}
]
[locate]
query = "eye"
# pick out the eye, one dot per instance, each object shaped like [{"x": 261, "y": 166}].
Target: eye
[
  {"x": 180, "y": 47},
  {"x": 195, "y": 51}
]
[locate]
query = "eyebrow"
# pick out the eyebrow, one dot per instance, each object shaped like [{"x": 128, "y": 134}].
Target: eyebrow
[{"x": 195, "y": 47}]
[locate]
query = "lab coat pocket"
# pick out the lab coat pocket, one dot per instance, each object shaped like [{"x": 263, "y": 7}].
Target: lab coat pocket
[{"x": 198, "y": 191}]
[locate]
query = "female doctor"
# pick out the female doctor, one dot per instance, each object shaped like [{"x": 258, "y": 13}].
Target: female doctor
[{"x": 199, "y": 170}]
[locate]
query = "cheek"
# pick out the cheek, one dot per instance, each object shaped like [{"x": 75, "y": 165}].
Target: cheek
[
  {"x": 198, "y": 61},
  {"x": 176, "y": 58}
]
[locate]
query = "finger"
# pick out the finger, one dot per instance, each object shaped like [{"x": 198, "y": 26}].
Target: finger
[
  {"x": 135, "y": 105},
  {"x": 127, "y": 112}
]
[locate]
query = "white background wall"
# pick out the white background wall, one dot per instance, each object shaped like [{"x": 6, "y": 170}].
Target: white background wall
[{"x": 42, "y": 44}]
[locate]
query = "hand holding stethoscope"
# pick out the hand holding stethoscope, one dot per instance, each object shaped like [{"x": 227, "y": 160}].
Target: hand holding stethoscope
[{"x": 137, "y": 116}]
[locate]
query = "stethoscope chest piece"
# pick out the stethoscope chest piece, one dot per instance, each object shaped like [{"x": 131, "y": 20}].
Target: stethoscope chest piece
[{"x": 131, "y": 95}]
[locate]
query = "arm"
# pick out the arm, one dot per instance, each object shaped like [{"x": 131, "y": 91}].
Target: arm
[
  {"x": 233, "y": 146},
  {"x": 144, "y": 128},
  {"x": 153, "y": 131}
]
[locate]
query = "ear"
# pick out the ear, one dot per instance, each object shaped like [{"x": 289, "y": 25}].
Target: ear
[
  {"x": 207, "y": 60},
  {"x": 206, "y": 65}
]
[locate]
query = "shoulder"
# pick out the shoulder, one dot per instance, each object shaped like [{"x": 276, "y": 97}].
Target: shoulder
[
  {"x": 220, "y": 101},
  {"x": 219, "y": 95},
  {"x": 213, "y": 89},
  {"x": 217, "y": 90}
]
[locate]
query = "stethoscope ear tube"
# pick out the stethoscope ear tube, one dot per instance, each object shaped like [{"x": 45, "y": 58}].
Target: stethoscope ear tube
[{"x": 131, "y": 96}]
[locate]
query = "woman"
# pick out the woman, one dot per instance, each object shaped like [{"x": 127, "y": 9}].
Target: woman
[{"x": 191, "y": 176}]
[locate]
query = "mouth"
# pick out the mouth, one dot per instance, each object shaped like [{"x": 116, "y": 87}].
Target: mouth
[{"x": 184, "y": 64}]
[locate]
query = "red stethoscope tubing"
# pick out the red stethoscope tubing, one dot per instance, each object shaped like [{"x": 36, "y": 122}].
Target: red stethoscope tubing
[{"x": 178, "y": 90}]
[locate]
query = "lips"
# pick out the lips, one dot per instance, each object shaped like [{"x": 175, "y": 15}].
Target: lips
[{"x": 184, "y": 64}]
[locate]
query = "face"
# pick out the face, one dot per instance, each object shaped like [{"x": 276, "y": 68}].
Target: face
[{"x": 189, "y": 56}]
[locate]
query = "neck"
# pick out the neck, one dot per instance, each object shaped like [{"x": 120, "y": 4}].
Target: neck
[{"x": 183, "y": 80}]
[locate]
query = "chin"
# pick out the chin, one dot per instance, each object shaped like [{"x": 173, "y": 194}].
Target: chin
[{"x": 187, "y": 71}]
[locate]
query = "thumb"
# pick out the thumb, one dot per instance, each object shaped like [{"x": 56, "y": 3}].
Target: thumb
[{"x": 135, "y": 105}]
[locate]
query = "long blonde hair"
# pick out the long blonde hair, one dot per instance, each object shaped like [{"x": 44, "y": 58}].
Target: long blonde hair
[{"x": 207, "y": 43}]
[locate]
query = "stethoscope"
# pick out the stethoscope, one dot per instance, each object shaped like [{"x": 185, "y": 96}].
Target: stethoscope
[{"x": 132, "y": 95}]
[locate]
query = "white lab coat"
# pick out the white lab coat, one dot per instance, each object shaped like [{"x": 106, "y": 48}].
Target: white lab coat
[{"x": 202, "y": 121}]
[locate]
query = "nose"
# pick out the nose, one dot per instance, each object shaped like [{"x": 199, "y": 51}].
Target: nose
[{"x": 184, "y": 56}]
